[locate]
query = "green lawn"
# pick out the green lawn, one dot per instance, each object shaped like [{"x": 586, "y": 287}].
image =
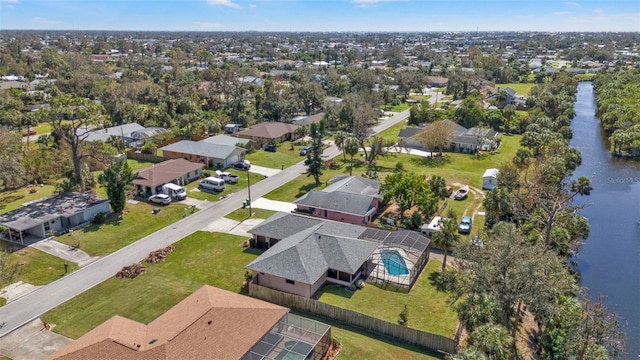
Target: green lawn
[
  {"x": 520, "y": 88},
  {"x": 428, "y": 308},
  {"x": 137, "y": 165},
  {"x": 201, "y": 258},
  {"x": 194, "y": 192},
  {"x": 39, "y": 268},
  {"x": 283, "y": 155},
  {"x": 42, "y": 128},
  {"x": 357, "y": 344},
  {"x": 243, "y": 214},
  {"x": 391, "y": 134},
  {"x": 454, "y": 167},
  {"x": 122, "y": 230},
  {"x": 13, "y": 199}
]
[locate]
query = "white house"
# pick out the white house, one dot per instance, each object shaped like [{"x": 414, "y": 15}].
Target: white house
[{"x": 490, "y": 179}]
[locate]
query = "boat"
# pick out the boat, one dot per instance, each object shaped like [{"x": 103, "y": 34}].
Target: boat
[{"x": 462, "y": 193}]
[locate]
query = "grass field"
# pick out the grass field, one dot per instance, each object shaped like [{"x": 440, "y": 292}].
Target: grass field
[
  {"x": 243, "y": 214},
  {"x": 122, "y": 230},
  {"x": 201, "y": 258},
  {"x": 357, "y": 345},
  {"x": 137, "y": 165},
  {"x": 520, "y": 88},
  {"x": 454, "y": 167},
  {"x": 283, "y": 155},
  {"x": 13, "y": 199},
  {"x": 194, "y": 192},
  {"x": 428, "y": 308},
  {"x": 39, "y": 268}
]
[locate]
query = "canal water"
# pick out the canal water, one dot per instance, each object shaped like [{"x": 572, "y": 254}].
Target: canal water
[{"x": 609, "y": 260}]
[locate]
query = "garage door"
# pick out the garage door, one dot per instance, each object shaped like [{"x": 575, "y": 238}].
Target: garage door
[{"x": 232, "y": 159}]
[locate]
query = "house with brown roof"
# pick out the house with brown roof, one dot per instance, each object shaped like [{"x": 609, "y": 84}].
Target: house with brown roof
[
  {"x": 211, "y": 323},
  {"x": 149, "y": 180},
  {"x": 266, "y": 132}
]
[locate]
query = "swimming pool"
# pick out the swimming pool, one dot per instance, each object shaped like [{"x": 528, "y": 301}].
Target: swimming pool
[{"x": 394, "y": 263}]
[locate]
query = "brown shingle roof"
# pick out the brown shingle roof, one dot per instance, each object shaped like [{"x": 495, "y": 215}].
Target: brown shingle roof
[
  {"x": 211, "y": 323},
  {"x": 268, "y": 130},
  {"x": 165, "y": 172}
]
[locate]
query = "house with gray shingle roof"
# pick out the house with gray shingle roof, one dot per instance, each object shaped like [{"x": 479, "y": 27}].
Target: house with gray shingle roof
[
  {"x": 303, "y": 253},
  {"x": 463, "y": 140},
  {"x": 349, "y": 199},
  {"x": 268, "y": 132},
  {"x": 211, "y": 155}
]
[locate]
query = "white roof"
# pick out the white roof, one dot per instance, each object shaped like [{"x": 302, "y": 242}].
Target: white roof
[{"x": 491, "y": 172}]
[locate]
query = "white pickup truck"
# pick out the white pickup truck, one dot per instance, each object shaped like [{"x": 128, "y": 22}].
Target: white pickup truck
[{"x": 227, "y": 177}]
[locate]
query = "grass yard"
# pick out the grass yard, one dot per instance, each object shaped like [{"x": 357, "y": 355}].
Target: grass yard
[
  {"x": 428, "y": 308},
  {"x": 520, "y": 88},
  {"x": 122, "y": 230},
  {"x": 243, "y": 214},
  {"x": 283, "y": 155},
  {"x": 13, "y": 199},
  {"x": 39, "y": 267},
  {"x": 201, "y": 258},
  {"x": 194, "y": 192},
  {"x": 137, "y": 165},
  {"x": 454, "y": 167},
  {"x": 357, "y": 344},
  {"x": 391, "y": 134}
]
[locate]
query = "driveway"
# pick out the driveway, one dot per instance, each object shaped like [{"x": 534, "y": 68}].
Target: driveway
[
  {"x": 32, "y": 342},
  {"x": 263, "y": 170},
  {"x": 274, "y": 205}
]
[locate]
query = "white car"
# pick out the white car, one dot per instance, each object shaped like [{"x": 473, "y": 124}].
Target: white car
[
  {"x": 227, "y": 177},
  {"x": 163, "y": 199}
]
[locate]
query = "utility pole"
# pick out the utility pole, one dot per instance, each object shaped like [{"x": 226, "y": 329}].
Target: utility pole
[{"x": 249, "y": 190}]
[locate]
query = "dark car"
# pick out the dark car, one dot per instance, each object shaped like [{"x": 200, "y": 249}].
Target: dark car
[
  {"x": 270, "y": 147},
  {"x": 242, "y": 165},
  {"x": 305, "y": 150}
]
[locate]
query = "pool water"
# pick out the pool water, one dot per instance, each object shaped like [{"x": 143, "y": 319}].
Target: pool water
[{"x": 394, "y": 263}]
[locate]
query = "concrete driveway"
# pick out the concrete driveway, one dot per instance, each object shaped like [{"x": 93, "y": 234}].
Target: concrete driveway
[
  {"x": 263, "y": 170},
  {"x": 274, "y": 205},
  {"x": 32, "y": 342}
]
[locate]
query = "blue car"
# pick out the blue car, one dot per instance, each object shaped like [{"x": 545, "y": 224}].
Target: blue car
[{"x": 465, "y": 225}]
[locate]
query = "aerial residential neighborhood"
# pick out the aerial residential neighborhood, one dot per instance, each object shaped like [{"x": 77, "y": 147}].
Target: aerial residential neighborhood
[{"x": 285, "y": 189}]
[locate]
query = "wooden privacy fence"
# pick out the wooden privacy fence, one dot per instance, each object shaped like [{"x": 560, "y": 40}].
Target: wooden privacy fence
[
  {"x": 353, "y": 318},
  {"x": 145, "y": 157}
]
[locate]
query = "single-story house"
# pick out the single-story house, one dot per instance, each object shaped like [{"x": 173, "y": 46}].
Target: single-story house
[
  {"x": 52, "y": 214},
  {"x": 305, "y": 252},
  {"x": 226, "y": 140},
  {"x": 437, "y": 81},
  {"x": 140, "y": 136},
  {"x": 308, "y": 120},
  {"x": 510, "y": 98},
  {"x": 124, "y": 131},
  {"x": 211, "y": 323},
  {"x": 266, "y": 132},
  {"x": 490, "y": 179},
  {"x": 211, "y": 155},
  {"x": 463, "y": 140},
  {"x": 232, "y": 128},
  {"x": 351, "y": 199},
  {"x": 149, "y": 180}
]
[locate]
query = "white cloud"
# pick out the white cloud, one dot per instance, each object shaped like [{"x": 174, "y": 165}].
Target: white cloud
[
  {"x": 253, "y": 6},
  {"x": 207, "y": 25},
  {"x": 561, "y": 13},
  {"x": 572, "y": 3},
  {"x": 41, "y": 20},
  {"x": 227, "y": 3},
  {"x": 372, "y": 3}
]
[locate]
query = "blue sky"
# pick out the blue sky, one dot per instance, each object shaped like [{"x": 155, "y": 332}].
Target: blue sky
[{"x": 322, "y": 15}]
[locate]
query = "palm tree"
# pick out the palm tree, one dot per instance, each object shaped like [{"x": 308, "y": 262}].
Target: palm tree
[
  {"x": 447, "y": 237},
  {"x": 339, "y": 140},
  {"x": 351, "y": 147}
]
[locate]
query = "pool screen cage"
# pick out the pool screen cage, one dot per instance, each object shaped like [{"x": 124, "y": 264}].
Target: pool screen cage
[{"x": 399, "y": 260}]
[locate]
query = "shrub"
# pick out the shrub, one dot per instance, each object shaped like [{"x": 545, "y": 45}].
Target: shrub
[
  {"x": 331, "y": 164},
  {"x": 100, "y": 217},
  {"x": 206, "y": 174},
  {"x": 360, "y": 284},
  {"x": 404, "y": 316}
]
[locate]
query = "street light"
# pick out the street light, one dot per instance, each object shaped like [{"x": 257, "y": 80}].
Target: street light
[{"x": 249, "y": 190}]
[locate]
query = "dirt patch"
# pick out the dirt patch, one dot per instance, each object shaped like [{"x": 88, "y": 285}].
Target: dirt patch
[{"x": 526, "y": 338}]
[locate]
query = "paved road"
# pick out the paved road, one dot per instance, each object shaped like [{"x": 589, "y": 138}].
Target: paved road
[{"x": 34, "y": 304}]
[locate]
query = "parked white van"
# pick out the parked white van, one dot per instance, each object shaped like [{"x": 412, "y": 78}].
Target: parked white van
[{"x": 212, "y": 184}]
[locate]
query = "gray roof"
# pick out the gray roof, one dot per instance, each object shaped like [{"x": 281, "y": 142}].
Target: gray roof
[
  {"x": 225, "y": 140},
  {"x": 409, "y": 132},
  {"x": 200, "y": 148},
  {"x": 471, "y": 136},
  {"x": 49, "y": 208},
  {"x": 148, "y": 132},
  {"x": 510, "y": 91},
  {"x": 103, "y": 134},
  {"x": 354, "y": 185},
  {"x": 343, "y": 202},
  {"x": 282, "y": 224},
  {"x": 307, "y": 255}
]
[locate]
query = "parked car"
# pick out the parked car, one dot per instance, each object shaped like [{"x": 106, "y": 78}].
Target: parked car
[
  {"x": 465, "y": 225},
  {"x": 163, "y": 199},
  {"x": 305, "y": 150},
  {"x": 227, "y": 177},
  {"x": 242, "y": 165},
  {"x": 270, "y": 147},
  {"x": 28, "y": 133}
]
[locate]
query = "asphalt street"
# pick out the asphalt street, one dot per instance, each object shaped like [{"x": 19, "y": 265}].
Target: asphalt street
[{"x": 30, "y": 306}]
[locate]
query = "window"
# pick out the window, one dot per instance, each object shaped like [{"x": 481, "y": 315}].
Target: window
[
  {"x": 290, "y": 281},
  {"x": 332, "y": 274},
  {"x": 46, "y": 226}
]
